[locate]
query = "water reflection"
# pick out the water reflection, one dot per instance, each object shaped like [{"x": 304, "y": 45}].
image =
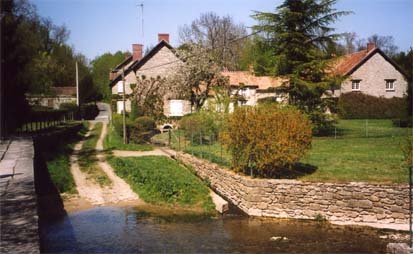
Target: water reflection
[{"x": 131, "y": 230}]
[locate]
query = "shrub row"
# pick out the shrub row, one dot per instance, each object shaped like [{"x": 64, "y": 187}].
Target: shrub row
[
  {"x": 266, "y": 140},
  {"x": 138, "y": 131},
  {"x": 202, "y": 124},
  {"x": 362, "y": 106}
]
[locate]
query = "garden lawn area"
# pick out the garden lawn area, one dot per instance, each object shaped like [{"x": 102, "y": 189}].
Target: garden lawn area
[
  {"x": 161, "y": 180},
  {"x": 58, "y": 162},
  {"x": 364, "y": 150},
  {"x": 361, "y": 151},
  {"x": 115, "y": 142},
  {"x": 88, "y": 160}
]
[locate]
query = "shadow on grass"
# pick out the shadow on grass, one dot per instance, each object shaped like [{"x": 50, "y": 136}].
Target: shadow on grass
[{"x": 296, "y": 171}]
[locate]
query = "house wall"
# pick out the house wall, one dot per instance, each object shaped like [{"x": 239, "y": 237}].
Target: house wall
[
  {"x": 55, "y": 101},
  {"x": 164, "y": 63},
  {"x": 340, "y": 202},
  {"x": 373, "y": 74}
]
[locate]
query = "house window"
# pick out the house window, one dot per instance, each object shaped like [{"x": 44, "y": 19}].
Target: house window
[
  {"x": 355, "y": 85},
  {"x": 390, "y": 84}
]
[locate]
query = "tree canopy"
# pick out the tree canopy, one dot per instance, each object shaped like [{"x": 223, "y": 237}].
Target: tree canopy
[
  {"x": 101, "y": 66},
  {"x": 299, "y": 34}
]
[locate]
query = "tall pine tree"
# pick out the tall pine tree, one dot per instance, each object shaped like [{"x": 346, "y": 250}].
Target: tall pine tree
[{"x": 299, "y": 34}]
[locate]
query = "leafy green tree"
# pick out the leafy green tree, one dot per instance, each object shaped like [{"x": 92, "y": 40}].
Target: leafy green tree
[
  {"x": 101, "y": 66},
  {"x": 299, "y": 33}
]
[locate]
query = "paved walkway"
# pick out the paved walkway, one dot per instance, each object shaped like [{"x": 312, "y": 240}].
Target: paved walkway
[{"x": 18, "y": 206}]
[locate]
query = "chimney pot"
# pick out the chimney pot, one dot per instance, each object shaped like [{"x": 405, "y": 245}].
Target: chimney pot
[
  {"x": 137, "y": 51},
  {"x": 371, "y": 46},
  {"x": 163, "y": 37}
]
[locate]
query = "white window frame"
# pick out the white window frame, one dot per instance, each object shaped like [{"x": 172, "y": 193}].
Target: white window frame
[
  {"x": 355, "y": 85},
  {"x": 390, "y": 85}
]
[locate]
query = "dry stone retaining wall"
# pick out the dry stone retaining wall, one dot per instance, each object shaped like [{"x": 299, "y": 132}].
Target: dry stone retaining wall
[{"x": 343, "y": 202}]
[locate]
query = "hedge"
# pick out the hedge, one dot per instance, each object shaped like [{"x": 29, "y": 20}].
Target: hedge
[{"x": 357, "y": 105}]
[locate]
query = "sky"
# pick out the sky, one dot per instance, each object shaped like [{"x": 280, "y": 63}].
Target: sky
[{"x": 100, "y": 26}]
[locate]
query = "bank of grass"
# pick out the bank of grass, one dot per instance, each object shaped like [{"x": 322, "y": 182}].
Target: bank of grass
[
  {"x": 88, "y": 162},
  {"x": 161, "y": 180},
  {"x": 57, "y": 156},
  {"x": 113, "y": 141},
  {"x": 359, "y": 151}
]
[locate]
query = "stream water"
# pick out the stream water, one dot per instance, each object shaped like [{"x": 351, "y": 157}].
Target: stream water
[{"x": 133, "y": 230}]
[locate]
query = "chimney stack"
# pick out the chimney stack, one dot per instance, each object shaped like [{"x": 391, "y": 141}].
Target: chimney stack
[
  {"x": 371, "y": 46},
  {"x": 137, "y": 52},
  {"x": 163, "y": 37}
]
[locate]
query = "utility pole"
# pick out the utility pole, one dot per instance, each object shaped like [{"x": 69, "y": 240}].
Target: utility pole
[
  {"x": 411, "y": 158},
  {"x": 124, "y": 106},
  {"x": 77, "y": 85}
]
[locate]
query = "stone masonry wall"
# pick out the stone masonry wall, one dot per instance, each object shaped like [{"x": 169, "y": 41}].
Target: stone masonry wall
[{"x": 352, "y": 202}]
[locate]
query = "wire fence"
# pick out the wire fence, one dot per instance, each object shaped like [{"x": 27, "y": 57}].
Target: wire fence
[
  {"x": 38, "y": 121},
  {"x": 207, "y": 145}
]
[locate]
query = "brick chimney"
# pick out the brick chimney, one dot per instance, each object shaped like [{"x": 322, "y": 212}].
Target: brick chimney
[
  {"x": 137, "y": 50},
  {"x": 163, "y": 37},
  {"x": 371, "y": 46}
]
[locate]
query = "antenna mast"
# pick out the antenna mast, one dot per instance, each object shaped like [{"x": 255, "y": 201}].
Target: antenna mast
[{"x": 141, "y": 5}]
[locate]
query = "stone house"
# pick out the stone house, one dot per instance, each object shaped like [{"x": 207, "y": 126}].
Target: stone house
[
  {"x": 57, "y": 96},
  {"x": 159, "y": 61},
  {"x": 251, "y": 89},
  {"x": 372, "y": 72}
]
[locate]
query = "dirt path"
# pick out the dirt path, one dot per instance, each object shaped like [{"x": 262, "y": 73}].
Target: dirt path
[
  {"x": 156, "y": 151},
  {"x": 86, "y": 188},
  {"x": 118, "y": 191}
]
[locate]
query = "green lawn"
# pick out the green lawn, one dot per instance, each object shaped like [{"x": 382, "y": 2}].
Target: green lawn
[
  {"x": 359, "y": 150},
  {"x": 114, "y": 141},
  {"x": 88, "y": 160},
  {"x": 357, "y": 153},
  {"x": 161, "y": 180},
  {"x": 57, "y": 157}
]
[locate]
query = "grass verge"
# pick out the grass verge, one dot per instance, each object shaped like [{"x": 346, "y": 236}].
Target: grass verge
[
  {"x": 87, "y": 158},
  {"x": 57, "y": 155},
  {"x": 114, "y": 141},
  {"x": 161, "y": 180}
]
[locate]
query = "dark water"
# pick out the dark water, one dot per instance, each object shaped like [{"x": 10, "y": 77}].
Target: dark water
[{"x": 129, "y": 230}]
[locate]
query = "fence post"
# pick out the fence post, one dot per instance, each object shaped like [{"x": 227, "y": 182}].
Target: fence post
[
  {"x": 200, "y": 143},
  {"x": 179, "y": 140},
  {"x": 367, "y": 128},
  {"x": 169, "y": 137}
]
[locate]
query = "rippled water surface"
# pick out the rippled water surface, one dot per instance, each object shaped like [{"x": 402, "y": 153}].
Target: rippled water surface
[{"x": 130, "y": 230}]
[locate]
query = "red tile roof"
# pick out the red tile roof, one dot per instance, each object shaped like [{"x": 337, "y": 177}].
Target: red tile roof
[
  {"x": 344, "y": 64},
  {"x": 64, "y": 90},
  {"x": 245, "y": 77}
]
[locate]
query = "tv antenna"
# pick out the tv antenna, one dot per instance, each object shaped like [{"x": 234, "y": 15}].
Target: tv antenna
[{"x": 141, "y": 5}]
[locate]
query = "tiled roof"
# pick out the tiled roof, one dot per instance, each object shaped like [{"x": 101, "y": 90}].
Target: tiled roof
[
  {"x": 344, "y": 64},
  {"x": 245, "y": 77},
  {"x": 64, "y": 90}
]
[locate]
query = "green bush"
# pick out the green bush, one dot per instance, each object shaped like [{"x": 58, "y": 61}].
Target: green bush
[
  {"x": 201, "y": 124},
  {"x": 362, "y": 106},
  {"x": 69, "y": 107},
  {"x": 266, "y": 140},
  {"x": 146, "y": 122},
  {"x": 89, "y": 111}
]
